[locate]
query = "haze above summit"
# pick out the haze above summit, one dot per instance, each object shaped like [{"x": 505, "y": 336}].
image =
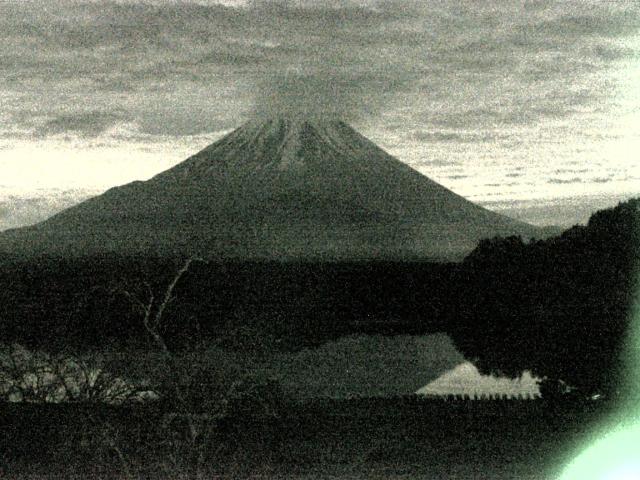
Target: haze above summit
[{"x": 525, "y": 107}]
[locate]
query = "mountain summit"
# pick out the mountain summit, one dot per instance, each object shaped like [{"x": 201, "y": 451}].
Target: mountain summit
[{"x": 284, "y": 188}]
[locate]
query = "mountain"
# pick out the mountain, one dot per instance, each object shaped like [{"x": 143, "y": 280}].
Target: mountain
[{"x": 282, "y": 188}]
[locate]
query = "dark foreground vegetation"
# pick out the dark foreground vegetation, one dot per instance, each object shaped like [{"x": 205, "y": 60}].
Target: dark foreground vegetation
[
  {"x": 558, "y": 307},
  {"x": 366, "y": 438}
]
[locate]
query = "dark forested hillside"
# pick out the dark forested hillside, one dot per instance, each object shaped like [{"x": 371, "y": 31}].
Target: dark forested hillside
[{"x": 560, "y": 307}]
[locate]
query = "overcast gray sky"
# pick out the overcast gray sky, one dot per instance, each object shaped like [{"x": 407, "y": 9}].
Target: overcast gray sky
[{"x": 531, "y": 107}]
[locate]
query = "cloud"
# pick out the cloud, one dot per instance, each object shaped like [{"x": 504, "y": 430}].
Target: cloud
[
  {"x": 565, "y": 180},
  {"x": 612, "y": 53},
  {"x": 230, "y": 58},
  {"x": 570, "y": 170},
  {"x": 602, "y": 179},
  {"x": 138, "y": 47},
  {"x": 599, "y": 21},
  {"x": 325, "y": 92},
  {"x": 186, "y": 67},
  {"x": 453, "y": 136},
  {"x": 17, "y": 211},
  {"x": 457, "y": 177},
  {"x": 85, "y": 124}
]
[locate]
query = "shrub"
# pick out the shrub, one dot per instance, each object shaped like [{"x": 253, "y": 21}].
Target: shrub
[{"x": 39, "y": 377}]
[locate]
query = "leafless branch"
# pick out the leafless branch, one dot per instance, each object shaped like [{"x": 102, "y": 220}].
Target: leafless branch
[
  {"x": 153, "y": 313},
  {"x": 168, "y": 295}
]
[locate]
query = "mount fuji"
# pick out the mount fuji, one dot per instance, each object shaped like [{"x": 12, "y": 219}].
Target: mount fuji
[{"x": 275, "y": 189}]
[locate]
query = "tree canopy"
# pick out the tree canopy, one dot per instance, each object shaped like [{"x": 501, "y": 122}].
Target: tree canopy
[{"x": 559, "y": 307}]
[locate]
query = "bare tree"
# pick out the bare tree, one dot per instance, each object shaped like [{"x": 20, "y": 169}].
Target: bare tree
[
  {"x": 198, "y": 426},
  {"x": 38, "y": 377},
  {"x": 195, "y": 427},
  {"x": 153, "y": 309}
]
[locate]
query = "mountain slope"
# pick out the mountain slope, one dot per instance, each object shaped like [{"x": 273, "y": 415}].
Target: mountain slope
[{"x": 275, "y": 189}]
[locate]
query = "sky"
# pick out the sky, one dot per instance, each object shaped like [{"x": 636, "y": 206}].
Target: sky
[{"x": 530, "y": 108}]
